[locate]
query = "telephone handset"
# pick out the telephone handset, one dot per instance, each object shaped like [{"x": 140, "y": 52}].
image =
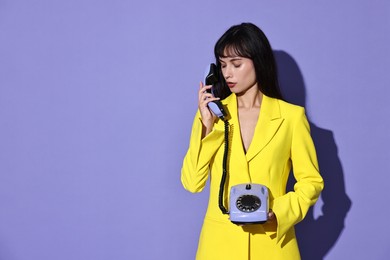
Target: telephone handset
[{"x": 211, "y": 79}]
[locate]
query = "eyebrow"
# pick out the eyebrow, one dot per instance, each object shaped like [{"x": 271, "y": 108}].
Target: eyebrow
[{"x": 230, "y": 59}]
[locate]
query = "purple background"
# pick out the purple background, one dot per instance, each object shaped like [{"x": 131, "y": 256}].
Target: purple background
[{"x": 97, "y": 100}]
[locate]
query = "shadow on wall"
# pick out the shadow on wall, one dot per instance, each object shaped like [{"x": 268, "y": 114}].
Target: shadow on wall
[{"x": 316, "y": 236}]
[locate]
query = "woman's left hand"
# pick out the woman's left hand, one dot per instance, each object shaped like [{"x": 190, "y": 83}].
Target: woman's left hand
[{"x": 271, "y": 216}]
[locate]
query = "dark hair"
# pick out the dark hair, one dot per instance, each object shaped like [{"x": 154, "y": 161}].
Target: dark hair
[{"x": 249, "y": 41}]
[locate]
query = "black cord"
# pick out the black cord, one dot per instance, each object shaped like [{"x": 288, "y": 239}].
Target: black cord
[{"x": 224, "y": 168}]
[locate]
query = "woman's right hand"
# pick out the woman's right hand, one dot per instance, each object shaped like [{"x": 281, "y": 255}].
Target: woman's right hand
[{"x": 208, "y": 117}]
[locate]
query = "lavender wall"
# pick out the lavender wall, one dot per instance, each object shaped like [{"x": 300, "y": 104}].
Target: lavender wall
[{"x": 96, "y": 105}]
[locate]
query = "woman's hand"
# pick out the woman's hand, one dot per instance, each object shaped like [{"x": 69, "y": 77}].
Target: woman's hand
[
  {"x": 208, "y": 117},
  {"x": 271, "y": 216}
]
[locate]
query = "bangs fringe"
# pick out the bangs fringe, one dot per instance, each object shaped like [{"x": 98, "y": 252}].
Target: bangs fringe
[{"x": 232, "y": 49}]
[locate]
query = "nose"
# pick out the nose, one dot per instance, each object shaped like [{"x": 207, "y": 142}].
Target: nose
[{"x": 227, "y": 72}]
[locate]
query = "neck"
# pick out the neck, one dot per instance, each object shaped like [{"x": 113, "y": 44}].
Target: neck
[{"x": 250, "y": 99}]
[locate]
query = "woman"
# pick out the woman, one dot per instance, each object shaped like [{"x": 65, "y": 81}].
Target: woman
[{"x": 268, "y": 138}]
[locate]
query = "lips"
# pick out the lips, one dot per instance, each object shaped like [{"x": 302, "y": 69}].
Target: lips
[{"x": 231, "y": 84}]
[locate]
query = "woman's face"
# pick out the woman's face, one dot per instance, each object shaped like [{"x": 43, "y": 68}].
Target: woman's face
[{"x": 239, "y": 73}]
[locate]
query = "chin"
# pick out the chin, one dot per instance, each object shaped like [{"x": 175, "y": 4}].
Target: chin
[{"x": 238, "y": 92}]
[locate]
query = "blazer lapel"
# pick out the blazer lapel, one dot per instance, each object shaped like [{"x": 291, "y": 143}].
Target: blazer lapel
[{"x": 267, "y": 125}]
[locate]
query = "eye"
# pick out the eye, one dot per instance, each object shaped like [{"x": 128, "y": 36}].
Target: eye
[{"x": 237, "y": 65}]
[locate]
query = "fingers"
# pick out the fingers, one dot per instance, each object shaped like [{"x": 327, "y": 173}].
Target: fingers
[
  {"x": 204, "y": 96},
  {"x": 271, "y": 215},
  {"x": 203, "y": 88}
]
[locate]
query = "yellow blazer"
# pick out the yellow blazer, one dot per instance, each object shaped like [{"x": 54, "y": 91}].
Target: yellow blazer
[{"x": 281, "y": 141}]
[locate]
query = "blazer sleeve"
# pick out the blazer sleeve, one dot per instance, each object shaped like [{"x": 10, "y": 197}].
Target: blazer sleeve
[
  {"x": 195, "y": 168},
  {"x": 292, "y": 207}
]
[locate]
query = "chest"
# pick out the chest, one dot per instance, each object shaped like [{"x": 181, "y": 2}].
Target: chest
[{"x": 247, "y": 119}]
